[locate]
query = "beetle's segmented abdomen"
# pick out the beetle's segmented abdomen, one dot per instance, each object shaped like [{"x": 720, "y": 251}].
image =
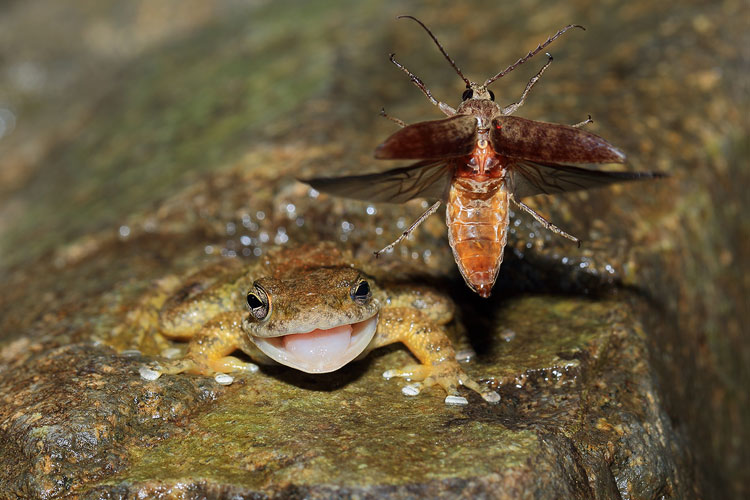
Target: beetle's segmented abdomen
[{"x": 477, "y": 218}]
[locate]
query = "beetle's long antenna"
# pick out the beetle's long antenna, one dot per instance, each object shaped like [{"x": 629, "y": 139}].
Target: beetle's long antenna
[
  {"x": 531, "y": 53},
  {"x": 434, "y": 39}
]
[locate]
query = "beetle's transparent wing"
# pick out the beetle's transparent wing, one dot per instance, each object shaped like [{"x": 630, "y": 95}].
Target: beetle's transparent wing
[
  {"x": 550, "y": 142},
  {"x": 528, "y": 178},
  {"x": 455, "y": 136},
  {"x": 425, "y": 179}
]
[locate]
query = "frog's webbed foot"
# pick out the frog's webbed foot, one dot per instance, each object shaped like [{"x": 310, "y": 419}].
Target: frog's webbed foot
[
  {"x": 447, "y": 375},
  {"x": 226, "y": 364},
  {"x": 156, "y": 369},
  {"x": 209, "y": 351},
  {"x": 429, "y": 343}
]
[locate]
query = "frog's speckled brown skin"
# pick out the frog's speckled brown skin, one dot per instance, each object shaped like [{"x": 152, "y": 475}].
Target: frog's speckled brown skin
[
  {"x": 309, "y": 287},
  {"x": 315, "y": 296}
]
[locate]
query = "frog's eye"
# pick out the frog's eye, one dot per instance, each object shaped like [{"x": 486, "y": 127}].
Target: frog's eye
[
  {"x": 257, "y": 300},
  {"x": 468, "y": 94},
  {"x": 361, "y": 292}
]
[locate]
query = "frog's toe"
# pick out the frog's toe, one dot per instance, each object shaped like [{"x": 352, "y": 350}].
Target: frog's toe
[
  {"x": 229, "y": 364},
  {"x": 410, "y": 372},
  {"x": 226, "y": 364},
  {"x": 154, "y": 370},
  {"x": 415, "y": 373},
  {"x": 172, "y": 367},
  {"x": 450, "y": 376},
  {"x": 487, "y": 394}
]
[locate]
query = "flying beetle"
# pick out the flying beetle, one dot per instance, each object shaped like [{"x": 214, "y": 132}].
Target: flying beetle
[{"x": 479, "y": 160}]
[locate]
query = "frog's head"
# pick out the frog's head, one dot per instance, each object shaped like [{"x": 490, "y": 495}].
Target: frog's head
[{"x": 315, "y": 322}]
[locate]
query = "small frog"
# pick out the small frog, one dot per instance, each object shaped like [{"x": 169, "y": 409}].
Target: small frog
[{"x": 310, "y": 309}]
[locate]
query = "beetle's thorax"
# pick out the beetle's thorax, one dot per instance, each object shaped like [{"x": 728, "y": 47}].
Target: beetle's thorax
[
  {"x": 484, "y": 109},
  {"x": 482, "y": 162}
]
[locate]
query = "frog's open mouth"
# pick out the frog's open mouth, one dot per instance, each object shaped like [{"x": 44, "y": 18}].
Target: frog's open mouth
[{"x": 320, "y": 350}]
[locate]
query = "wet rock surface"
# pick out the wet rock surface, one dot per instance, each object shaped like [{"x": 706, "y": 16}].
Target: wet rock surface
[
  {"x": 71, "y": 413},
  {"x": 621, "y": 365},
  {"x": 579, "y": 414}
]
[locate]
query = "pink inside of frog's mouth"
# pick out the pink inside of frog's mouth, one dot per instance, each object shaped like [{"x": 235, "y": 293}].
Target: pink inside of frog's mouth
[{"x": 320, "y": 350}]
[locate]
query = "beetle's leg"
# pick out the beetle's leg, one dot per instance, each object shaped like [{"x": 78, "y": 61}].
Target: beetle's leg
[
  {"x": 509, "y": 110},
  {"x": 414, "y": 226},
  {"x": 398, "y": 122},
  {"x": 547, "y": 224},
  {"x": 416, "y": 81},
  {"x": 584, "y": 122}
]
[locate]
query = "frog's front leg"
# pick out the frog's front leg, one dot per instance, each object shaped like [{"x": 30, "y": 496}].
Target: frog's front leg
[
  {"x": 429, "y": 343},
  {"x": 210, "y": 348}
]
